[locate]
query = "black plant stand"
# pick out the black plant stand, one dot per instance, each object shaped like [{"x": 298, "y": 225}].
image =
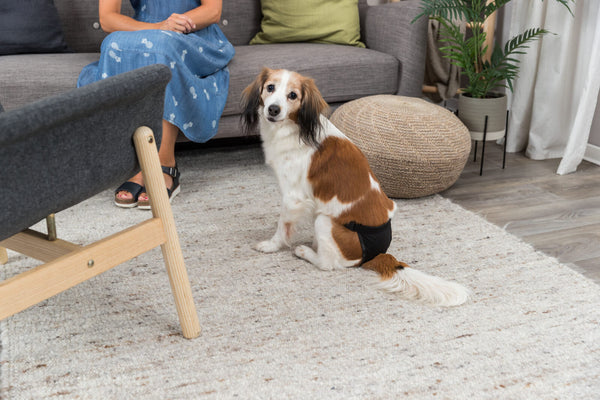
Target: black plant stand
[{"x": 483, "y": 144}]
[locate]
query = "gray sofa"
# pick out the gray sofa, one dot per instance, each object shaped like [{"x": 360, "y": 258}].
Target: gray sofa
[{"x": 392, "y": 63}]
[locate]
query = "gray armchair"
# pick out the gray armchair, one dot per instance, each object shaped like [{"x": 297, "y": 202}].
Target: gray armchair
[{"x": 61, "y": 150}]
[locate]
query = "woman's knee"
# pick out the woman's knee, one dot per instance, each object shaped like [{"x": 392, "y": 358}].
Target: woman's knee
[
  {"x": 114, "y": 41},
  {"x": 150, "y": 41}
]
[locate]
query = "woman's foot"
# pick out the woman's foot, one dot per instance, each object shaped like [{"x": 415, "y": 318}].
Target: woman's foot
[
  {"x": 133, "y": 193},
  {"x": 171, "y": 175},
  {"x": 127, "y": 195},
  {"x": 166, "y": 154}
]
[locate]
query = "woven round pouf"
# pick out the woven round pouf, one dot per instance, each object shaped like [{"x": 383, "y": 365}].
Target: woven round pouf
[{"x": 415, "y": 148}]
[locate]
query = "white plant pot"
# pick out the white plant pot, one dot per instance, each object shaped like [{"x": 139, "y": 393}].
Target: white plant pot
[{"x": 472, "y": 112}]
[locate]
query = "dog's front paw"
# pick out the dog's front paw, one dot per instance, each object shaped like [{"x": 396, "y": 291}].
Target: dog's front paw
[{"x": 267, "y": 246}]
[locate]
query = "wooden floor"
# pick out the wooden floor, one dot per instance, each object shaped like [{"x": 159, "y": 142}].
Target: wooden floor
[{"x": 558, "y": 215}]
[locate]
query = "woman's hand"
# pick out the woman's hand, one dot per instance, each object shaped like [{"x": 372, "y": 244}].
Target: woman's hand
[
  {"x": 111, "y": 19},
  {"x": 178, "y": 23}
]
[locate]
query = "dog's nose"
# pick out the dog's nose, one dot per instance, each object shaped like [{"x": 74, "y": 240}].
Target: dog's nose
[{"x": 274, "y": 110}]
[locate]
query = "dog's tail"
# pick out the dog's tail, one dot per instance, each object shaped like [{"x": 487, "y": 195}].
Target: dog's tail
[{"x": 397, "y": 276}]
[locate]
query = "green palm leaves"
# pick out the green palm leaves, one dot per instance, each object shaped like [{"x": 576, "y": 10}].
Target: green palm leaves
[{"x": 468, "y": 51}]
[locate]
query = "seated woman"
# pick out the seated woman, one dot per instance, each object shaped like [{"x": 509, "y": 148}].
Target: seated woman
[{"x": 184, "y": 35}]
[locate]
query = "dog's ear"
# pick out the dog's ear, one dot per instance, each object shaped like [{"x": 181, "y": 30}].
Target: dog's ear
[
  {"x": 309, "y": 115},
  {"x": 251, "y": 100}
]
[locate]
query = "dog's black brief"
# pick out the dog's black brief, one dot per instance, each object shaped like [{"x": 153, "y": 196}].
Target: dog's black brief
[{"x": 374, "y": 240}]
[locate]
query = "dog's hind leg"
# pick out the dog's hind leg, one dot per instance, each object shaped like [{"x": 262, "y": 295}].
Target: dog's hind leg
[
  {"x": 328, "y": 256},
  {"x": 308, "y": 254}
]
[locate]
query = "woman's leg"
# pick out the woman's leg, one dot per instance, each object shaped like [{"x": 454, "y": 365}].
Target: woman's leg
[{"x": 166, "y": 154}]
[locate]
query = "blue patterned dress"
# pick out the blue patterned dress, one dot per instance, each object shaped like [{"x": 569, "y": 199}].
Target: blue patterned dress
[{"x": 196, "y": 95}]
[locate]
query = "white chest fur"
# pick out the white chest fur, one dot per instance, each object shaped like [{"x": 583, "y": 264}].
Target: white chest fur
[{"x": 289, "y": 158}]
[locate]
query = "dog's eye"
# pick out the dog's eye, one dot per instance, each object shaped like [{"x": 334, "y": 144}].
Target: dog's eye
[
  {"x": 270, "y": 88},
  {"x": 292, "y": 96}
]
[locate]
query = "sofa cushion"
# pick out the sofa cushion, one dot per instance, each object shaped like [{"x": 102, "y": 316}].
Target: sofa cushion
[
  {"x": 30, "y": 26},
  {"x": 240, "y": 20},
  {"x": 342, "y": 73},
  {"x": 80, "y": 23},
  {"x": 358, "y": 72},
  {"x": 318, "y": 21},
  {"x": 30, "y": 77}
]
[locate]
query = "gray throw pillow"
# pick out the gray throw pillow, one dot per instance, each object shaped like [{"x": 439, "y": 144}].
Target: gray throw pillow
[{"x": 30, "y": 26}]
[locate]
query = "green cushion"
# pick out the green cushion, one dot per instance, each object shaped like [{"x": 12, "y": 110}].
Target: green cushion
[{"x": 319, "y": 21}]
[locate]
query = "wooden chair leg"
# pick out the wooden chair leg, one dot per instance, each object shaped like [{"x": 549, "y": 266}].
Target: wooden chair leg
[
  {"x": 51, "y": 226},
  {"x": 3, "y": 256},
  {"x": 161, "y": 208}
]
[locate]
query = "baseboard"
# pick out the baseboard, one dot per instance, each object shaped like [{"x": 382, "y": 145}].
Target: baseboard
[{"x": 592, "y": 154}]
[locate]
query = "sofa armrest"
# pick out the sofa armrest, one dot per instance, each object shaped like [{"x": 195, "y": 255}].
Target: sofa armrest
[{"x": 389, "y": 29}]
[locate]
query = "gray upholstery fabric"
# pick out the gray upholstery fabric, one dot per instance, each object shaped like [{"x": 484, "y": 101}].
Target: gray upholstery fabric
[
  {"x": 389, "y": 29},
  {"x": 367, "y": 72},
  {"x": 80, "y": 23},
  {"x": 370, "y": 72},
  {"x": 59, "y": 151},
  {"x": 240, "y": 20},
  {"x": 30, "y": 77}
]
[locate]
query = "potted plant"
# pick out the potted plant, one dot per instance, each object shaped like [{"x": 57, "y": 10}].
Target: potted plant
[{"x": 484, "y": 75}]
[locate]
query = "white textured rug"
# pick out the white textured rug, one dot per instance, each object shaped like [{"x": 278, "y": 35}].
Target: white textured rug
[{"x": 275, "y": 327}]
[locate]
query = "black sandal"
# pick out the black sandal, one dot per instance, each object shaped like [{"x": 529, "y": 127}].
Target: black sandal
[
  {"x": 130, "y": 187},
  {"x": 173, "y": 191}
]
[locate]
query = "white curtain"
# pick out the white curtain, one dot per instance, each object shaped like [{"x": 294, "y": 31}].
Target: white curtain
[{"x": 555, "y": 94}]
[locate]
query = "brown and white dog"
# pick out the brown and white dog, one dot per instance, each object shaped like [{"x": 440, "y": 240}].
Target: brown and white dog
[{"x": 322, "y": 174}]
